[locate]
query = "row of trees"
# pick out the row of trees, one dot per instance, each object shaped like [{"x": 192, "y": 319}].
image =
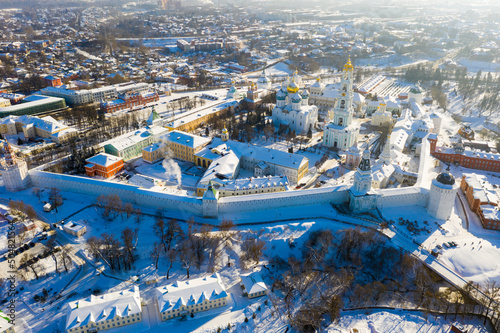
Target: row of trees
[
  {"x": 111, "y": 206},
  {"x": 115, "y": 254}
]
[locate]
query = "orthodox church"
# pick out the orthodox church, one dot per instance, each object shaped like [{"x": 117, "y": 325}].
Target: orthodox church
[
  {"x": 341, "y": 132},
  {"x": 293, "y": 109}
]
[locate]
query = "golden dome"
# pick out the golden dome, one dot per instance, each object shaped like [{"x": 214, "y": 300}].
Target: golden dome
[
  {"x": 292, "y": 87},
  {"x": 224, "y": 130},
  {"x": 348, "y": 65}
]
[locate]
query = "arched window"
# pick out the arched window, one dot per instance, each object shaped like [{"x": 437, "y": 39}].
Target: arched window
[{"x": 342, "y": 104}]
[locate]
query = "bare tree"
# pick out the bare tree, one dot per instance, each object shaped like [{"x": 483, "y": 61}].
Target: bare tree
[
  {"x": 491, "y": 293},
  {"x": 66, "y": 258},
  {"x": 55, "y": 198},
  {"x": 128, "y": 236},
  {"x": 186, "y": 255},
  {"x": 170, "y": 256},
  {"x": 252, "y": 248},
  {"x": 37, "y": 193},
  {"x": 155, "y": 253},
  {"x": 128, "y": 208},
  {"x": 51, "y": 245}
]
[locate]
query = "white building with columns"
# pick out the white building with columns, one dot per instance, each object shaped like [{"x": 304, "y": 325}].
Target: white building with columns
[
  {"x": 341, "y": 132},
  {"x": 293, "y": 109}
]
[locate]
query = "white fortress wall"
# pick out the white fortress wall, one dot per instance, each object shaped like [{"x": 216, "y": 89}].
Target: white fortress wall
[
  {"x": 425, "y": 166},
  {"x": 130, "y": 193},
  {"x": 406, "y": 196},
  {"x": 269, "y": 201}
]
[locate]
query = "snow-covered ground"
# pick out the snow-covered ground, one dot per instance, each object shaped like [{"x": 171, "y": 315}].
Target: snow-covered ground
[{"x": 396, "y": 321}]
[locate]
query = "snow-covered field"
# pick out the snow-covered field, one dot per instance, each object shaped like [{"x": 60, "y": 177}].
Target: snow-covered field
[{"x": 396, "y": 321}]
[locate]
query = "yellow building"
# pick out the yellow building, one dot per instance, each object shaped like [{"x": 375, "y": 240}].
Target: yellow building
[
  {"x": 153, "y": 153},
  {"x": 31, "y": 127},
  {"x": 4, "y": 102},
  {"x": 184, "y": 146},
  {"x": 196, "y": 119},
  {"x": 183, "y": 298},
  {"x": 107, "y": 311}
]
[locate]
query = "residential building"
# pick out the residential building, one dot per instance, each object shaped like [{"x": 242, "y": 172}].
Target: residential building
[
  {"x": 31, "y": 127},
  {"x": 253, "y": 185},
  {"x": 104, "y": 165},
  {"x": 483, "y": 198},
  {"x": 4, "y": 102},
  {"x": 253, "y": 285},
  {"x": 465, "y": 156},
  {"x": 75, "y": 229},
  {"x": 52, "y": 81},
  {"x": 224, "y": 158},
  {"x": 33, "y": 104},
  {"x": 130, "y": 145},
  {"x": 184, "y": 146},
  {"x": 183, "y": 298},
  {"x": 102, "y": 312},
  {"x": 128, "y": 100},
  {"x": 153, "y": 153},
  {"x": 96, "y": 95}
]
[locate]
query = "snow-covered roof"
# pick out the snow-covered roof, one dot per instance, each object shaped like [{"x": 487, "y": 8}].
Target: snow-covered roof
[
  {"x": 186, "y": 139},
  {"x": 483, "y": 189},
  {"x": 73, "y": 226},
  {"x": 152, "y": 148},
  {"x": 128, "y": 139},
  {"x": 253, "y": 283},
  {"x": 224, "y": 166},
  {"x": 270, "y": 156},
  {"x": 103, "y": 307},
  {"x": 195, "y": 291},
  {"x": 250, "y": 183},
  {"x": 103, "y": 159}
]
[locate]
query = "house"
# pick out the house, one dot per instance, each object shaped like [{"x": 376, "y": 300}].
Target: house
[
  {"x": 130, "y": 145},
  {"x": 483, "y": 199},
  {"x": 184, "y": 145},
  {"x": 152, "y": 153},
  {"x": 253, "y": 285},
  {"x": 183, "y": 298},
  {"x": 104, "y": 165},
  {"x": 74, "y": 229},
  {"x": 112, "y": 310}
]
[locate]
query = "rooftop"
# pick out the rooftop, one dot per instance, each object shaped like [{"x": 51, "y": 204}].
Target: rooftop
[
  {"x": 103, "y": 159},
  {"x": 103, "y": 307},
  {"x": 190, "y": 292}
]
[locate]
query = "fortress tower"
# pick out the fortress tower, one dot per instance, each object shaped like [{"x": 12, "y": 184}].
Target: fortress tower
[
  {"x": 14, "y": 171},
  {"x": 442, "y": 196}
]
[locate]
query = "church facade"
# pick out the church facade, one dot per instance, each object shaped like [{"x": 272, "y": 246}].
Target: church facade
[
  {"x": 293, "y": 109},
  {"x": 341, "y": 132}
]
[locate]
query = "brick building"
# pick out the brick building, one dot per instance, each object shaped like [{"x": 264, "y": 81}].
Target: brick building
[
  {"x": 129, "y": 100},
  {"x": 458, "y": 155},
  {"x": 104, "y": 165},
  {"x": 483, "y": 198}
]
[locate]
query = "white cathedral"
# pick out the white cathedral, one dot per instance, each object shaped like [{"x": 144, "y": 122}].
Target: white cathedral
[
  {"x": 341, "y": 132},
  {"x": 293, "y": 109}
]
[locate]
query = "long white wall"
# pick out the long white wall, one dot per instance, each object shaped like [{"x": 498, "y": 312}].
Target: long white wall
[
  {"x": 189, "y": 205},
  {"x": 130, "y": 193},
  {"x": 406, "y": 196},
  {"x": 269, "y": 201}
]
